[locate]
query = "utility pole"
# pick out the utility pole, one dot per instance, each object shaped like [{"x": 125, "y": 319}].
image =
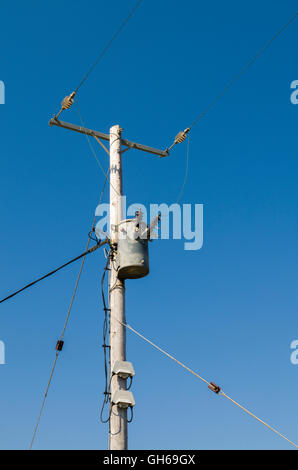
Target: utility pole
[{"x": 118, "y": 416}]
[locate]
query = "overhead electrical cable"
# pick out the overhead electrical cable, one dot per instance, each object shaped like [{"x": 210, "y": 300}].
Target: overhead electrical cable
[
  {"x": 108, "y": 45},
  {"x": 180, "y": 137}
]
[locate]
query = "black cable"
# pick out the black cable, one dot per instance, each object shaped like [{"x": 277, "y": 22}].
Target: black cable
[
  {"x": 104, "y": 421},
  {"x": 130, "y": 383},
  {"x": 53, "y": 272},
  {"x": 104, "y": 345},
  {"x": 131, "y": 416},
  {"x": 107, "y": 400},
  {"x": 105, "y": 325},
  {"x": 91, "y": 237}
]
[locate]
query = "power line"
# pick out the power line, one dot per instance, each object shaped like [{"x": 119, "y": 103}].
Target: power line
[
  {"x": 90, "y": 250},
  {"x": 243, "y": 71},
  {"x": 211, "y": 385},
  {"x": 231, "y": 83},
  {"x": 108, "y": 45}
]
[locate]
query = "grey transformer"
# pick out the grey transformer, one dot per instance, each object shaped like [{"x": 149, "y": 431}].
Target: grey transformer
[{"x": 132, "y": 251}]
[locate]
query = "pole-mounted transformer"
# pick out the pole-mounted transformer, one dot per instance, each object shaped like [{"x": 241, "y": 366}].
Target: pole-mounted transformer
[{"x": 132, "y": 259}]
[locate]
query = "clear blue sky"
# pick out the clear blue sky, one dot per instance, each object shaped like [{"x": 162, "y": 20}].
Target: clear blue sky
[{"x": 229, "y": 311}]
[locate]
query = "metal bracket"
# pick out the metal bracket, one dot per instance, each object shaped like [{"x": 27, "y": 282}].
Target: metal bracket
[
  {"x": 101, "y": 135},
  {"x": 103, "y": 146},
  {"x": 129, "y": 147}
]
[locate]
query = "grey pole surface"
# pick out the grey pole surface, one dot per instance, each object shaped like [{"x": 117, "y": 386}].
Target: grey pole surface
[{"x": 118, "y": 418}]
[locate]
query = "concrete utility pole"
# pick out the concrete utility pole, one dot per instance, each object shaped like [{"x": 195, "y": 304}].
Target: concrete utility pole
[{"x": 118, "y": 417}]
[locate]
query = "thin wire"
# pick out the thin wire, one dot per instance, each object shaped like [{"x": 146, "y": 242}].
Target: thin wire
[
  {"x": 260, "y": 420},
  {"x": 88, "y": 139},
  {"x": 226, "y": 88},
  {"x": 108, "y": 45},
  {"x": 44, "y": 400},
  {"x": 162, "y": 351},
  {"x": 91, "y": 146},
  {"x": 203, "y": 380},
  {"x": 66, "y": 320},
  {"x": 236, "y": 78},
  {"x": 186, "y": 172}
]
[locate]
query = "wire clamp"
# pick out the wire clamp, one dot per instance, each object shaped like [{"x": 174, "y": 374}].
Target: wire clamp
[
  {"x": 59, "y": 345},
  {"x": 215, "y": 388}
]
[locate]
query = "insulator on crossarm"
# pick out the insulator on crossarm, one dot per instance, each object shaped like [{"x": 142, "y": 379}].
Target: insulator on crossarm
[
  {"x": 181, "y": 136},
  {"x": 68, "y": 101}
]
